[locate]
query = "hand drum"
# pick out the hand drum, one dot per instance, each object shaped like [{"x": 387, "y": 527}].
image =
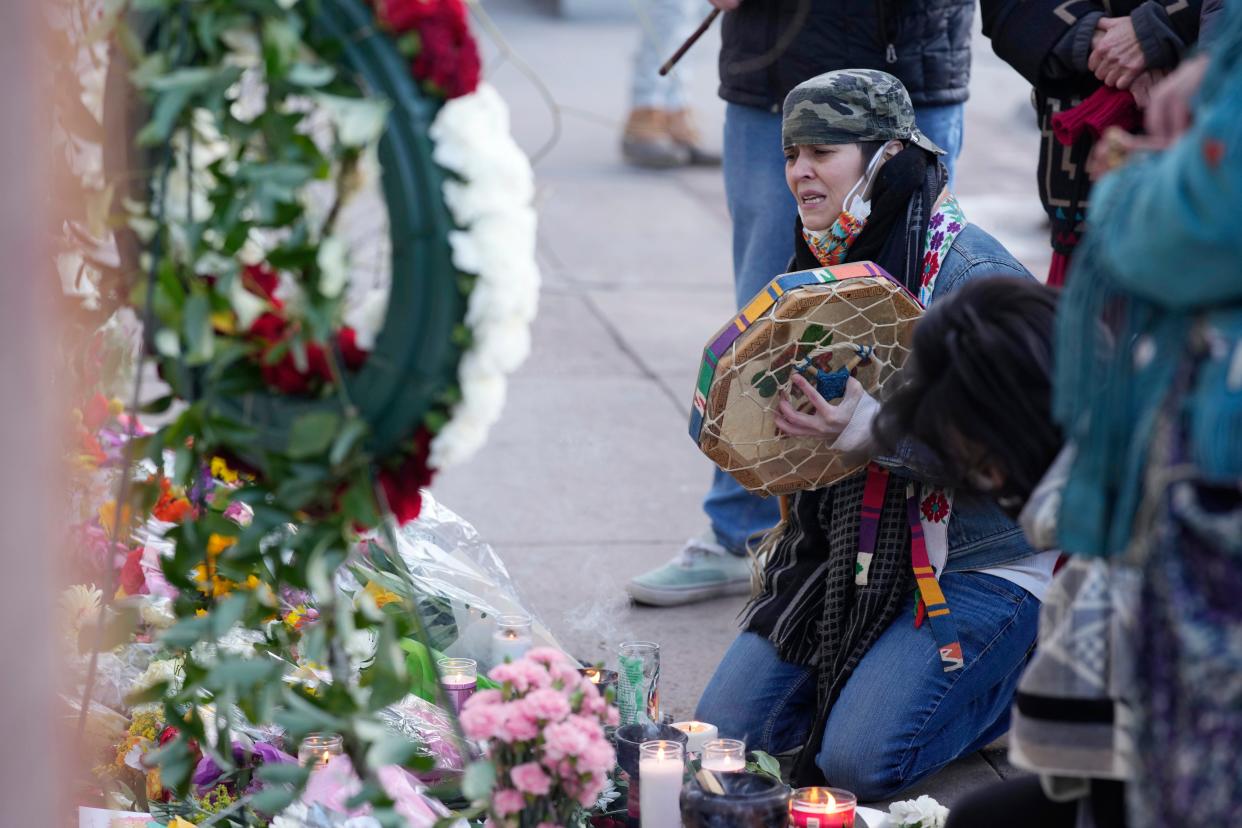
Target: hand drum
[{"x": 831, "y": 323}]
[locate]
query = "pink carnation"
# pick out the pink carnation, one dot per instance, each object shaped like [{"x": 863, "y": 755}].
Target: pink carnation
[
  {"x": 522, "y": 675},
  {"x": 482, "y": 721},
  {"x": 507, "y": 801},
  {"x": 547, "y": 705},
  {"x": 529, "y": 778},
  {"x": 570, "y": 737},
  {"x": 517, "y": 725},
  {"x": 548, "y": 656},
  {"x": 485, "y": 697}
]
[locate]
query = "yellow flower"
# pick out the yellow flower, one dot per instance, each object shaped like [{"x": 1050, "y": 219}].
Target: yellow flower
[
  {"x": 116, "y": 407},
  {"x": 380, "y": 595},
  {"x": 178, "y": 822},
  {"x": 154, "y": 786},
  {"x": 107, "y": 516},
  {"x": 221, "y": 471},
  {"x": 222, "y": 321},
  {"x": 217, "y": 544}
]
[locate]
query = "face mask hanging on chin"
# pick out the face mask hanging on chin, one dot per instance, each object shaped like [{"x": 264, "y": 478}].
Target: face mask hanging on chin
[{"x": 831, "y": 245}]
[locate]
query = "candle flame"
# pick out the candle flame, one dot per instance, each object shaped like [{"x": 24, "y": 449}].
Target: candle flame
[{"x": 511, "y": 634}]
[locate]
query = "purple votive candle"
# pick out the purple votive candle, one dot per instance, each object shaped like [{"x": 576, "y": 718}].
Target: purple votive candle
[{"x": 459, "y": 678}]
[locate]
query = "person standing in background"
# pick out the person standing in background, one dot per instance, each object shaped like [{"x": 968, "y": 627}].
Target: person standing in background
[
  {"x": 767, "y": 48},
  {"x": 1092, "y": 65},
  {"x": 660, "y": 131}
]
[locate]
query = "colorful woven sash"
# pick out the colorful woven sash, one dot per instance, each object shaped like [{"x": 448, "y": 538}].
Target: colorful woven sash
[{"x": 932, "y": 604}]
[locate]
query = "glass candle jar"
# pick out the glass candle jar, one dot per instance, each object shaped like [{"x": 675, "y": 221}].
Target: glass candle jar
[
  {"x": 638, "y": 685},
  {"x": 750, "y": 800},
  {"x": 459, "y": 678},
  {"x": 661, "y": 766},
  {"x": 512, "y": 637},
  {"x": 724, "y": 755},
  {"x": 317, "y": 749},
  {"x": 822, "y": 808}
]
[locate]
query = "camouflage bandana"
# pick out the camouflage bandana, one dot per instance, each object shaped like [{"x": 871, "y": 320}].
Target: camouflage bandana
[{"x": 850, "y": 106}]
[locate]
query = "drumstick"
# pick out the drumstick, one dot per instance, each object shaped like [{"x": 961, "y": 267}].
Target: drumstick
[{"x": 690, "y": 41}]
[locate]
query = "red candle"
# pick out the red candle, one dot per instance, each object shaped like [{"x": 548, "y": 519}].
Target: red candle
[{"x": 822, "y": 808}]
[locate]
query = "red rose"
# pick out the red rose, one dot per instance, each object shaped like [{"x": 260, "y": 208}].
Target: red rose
[
  {"x": 347, "y": 341},
  {"x": 448, "y": 57},
  {"x": 269, "y": 326},
  {"x": 403, "y": 15},
  {"x": 284, "y": 375},
  {"x": 261, "y": 280},
  {"x": 167, "y": 735},
  {"x": 402, "y": 485},
  {"x": 133, "y": 581}
]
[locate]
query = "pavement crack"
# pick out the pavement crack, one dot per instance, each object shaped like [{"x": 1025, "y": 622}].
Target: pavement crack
[{"x": 623, "y": 346}]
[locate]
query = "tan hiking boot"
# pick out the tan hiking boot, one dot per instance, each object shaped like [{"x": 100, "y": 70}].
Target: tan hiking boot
[
  {"x": 646, "y": 141},
  {"x": 686, "y": 133}
]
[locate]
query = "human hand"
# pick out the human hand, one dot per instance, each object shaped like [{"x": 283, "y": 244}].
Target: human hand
[
  {"x": 1168, "y": 113},
  {"x": 828, "y": 420},
  {"x": 726, "y": 5},
  {"x": 1115, "y": 148},
  {"x": 1143, "y": 85},
  {"x": 1116, "y": 55}
]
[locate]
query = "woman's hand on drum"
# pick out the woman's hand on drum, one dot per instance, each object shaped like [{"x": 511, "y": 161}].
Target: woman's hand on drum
[{"x": 827, "y": 420}]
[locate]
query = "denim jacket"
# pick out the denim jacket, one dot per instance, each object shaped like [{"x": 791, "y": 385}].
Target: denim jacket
[{"x": 980, "y": 534}]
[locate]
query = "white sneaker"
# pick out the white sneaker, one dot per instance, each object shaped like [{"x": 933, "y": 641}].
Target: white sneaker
[{"x": 702, "y": 569}]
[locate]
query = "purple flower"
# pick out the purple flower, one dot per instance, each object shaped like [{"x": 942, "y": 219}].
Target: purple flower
[
  {"x": 207, "y": 773},
  {"x": 937, "y": 240},
  {"x": 937, "y": 220},
  {"x": 954, "y": 227}
]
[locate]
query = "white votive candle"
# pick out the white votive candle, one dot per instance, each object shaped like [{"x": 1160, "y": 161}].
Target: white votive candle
[
  {"x": 724, "y": 755},
  {"x": 512, "y": 638},
  {"x": 660, "y": 769},
  {"x": 698, "y": 733}
]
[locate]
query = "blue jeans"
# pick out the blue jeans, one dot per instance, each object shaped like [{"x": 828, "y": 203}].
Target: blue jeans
[
  {"x": 763, "y": 213},
  {"x": 899, "y": 717},
  {"x": 663, "y": 25}
]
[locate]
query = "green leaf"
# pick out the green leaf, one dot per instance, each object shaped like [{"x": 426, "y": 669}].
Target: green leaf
[
  {"x": 186, "y": 632},
  {"x": 478, "y": 780},
  {"x": 273, "y": 799},
  {"x": 310, "y": 74},
  {"x": 197, "y": 328},
  {"x": 766, "y": 764},
  {"x": 283, "y": 773},
  {"x": 312, "y": 433},
  {"x": 243, "y": 673},
  {"x": 359, "y": 121},
  {"x": 355, "y": 429},
  {"x": 396, "y": 750}
]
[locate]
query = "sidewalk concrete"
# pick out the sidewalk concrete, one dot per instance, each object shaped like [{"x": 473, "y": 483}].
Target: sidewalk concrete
[{"x": 590, "y": 478}]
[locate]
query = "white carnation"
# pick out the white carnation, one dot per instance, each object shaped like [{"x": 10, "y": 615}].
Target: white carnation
[
  {"x": 166, "y": 670},
  {"x": 158, "y": 612},
  {"x": 923, "y": 812}
]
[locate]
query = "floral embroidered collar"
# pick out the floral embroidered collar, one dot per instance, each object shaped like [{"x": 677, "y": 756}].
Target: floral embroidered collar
[{"x": 945, "y": 224}]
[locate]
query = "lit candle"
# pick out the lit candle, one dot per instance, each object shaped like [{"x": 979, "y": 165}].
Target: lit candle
[
  {"x": 660, "y": 769},
  {"x": 512, "y": 638},
  {"x": 604, "y": 680},
  {"x": 459, "y": 678},
  {"x": 699, "y": 733},
  {"x": 724, "y": 755},
  {"x": 822, "y": 808},
  {"x": 317, "y": 749}
]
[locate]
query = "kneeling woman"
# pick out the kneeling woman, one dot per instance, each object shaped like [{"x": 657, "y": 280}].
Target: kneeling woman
[{"x": 851, "y": 650}]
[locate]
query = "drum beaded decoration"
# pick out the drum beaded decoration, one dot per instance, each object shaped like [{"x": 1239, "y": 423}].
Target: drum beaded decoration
[{"x": 829, "y": 323}]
